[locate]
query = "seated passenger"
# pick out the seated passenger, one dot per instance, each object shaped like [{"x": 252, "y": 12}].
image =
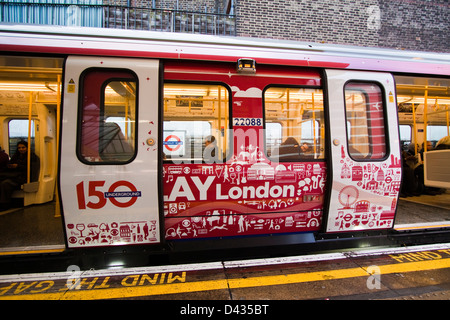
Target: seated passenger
[
  {"x": 306, "y": 150},
  {"x": 429, "y": 148},
  {"x": 409, "y": 156},
  {"x": 289, "y": 149},
  {"x": 4, "y": 159},
  {"x": 443, "y": 143},
  {"x": 16, "y": 173},
  {"x": 409, "y": 184},
  {"x": 209, "y": 154}
]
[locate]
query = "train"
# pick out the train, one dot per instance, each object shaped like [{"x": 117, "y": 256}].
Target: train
[{"x": 156, "y": 140}]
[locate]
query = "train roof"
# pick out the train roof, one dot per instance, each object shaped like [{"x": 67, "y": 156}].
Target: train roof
[{"x": 186, "y": 46}]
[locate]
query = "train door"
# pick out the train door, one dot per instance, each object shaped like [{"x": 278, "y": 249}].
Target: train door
[
  {"x": 364, "y": 152},
  {"x": 265, "y": 173},
  {"x": 109, "y": 154},
  {"x": 29, "y": 103}
]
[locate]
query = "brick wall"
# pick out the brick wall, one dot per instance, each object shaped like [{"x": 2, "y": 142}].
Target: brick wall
[
  {"x": 402, "y": 24},
  {"x": 415, "y": 25},
  {"x": 317, "y": 21}
]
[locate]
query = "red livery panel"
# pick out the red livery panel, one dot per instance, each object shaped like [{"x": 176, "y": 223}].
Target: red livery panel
[{"x": 241, "y": 198}]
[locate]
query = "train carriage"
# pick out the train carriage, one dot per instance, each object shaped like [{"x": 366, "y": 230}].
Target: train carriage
[{"x": 147, "y": 138}]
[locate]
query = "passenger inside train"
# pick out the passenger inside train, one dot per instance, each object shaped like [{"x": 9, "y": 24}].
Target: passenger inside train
[
  {"x": 291, "y": 150},
  {"x": 4, "y": 159},
  {"x": 443, "y": 143},
  {"x": 16, "y": 173},
  {"x": 209, "y": 154}
]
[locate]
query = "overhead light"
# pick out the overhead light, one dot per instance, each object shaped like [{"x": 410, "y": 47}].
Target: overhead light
[{"x": 27, "y": 86}]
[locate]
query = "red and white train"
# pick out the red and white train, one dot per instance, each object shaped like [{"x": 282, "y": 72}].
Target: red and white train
[{"x": 305, "y": 136}]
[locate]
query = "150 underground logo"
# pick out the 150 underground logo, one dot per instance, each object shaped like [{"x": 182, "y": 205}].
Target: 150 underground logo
[{"x": 99, "y": 198}]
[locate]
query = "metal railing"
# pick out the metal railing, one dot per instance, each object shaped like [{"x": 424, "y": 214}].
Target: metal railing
[
  {"x": 169, "y": 20},
  {"x": 93, "y": 13}
]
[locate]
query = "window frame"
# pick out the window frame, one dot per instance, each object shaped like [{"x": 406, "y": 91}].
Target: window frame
[
  {"x": 434, "y": 126},
  {"x": 400, "y": 135},
  {"x": 368, "y": 158},
  {"x": 101, "y": 112},
  {"x": 31, "y": 144},
  {"x": 300, "y": 159},
  {"x": 229, "y": 147}
]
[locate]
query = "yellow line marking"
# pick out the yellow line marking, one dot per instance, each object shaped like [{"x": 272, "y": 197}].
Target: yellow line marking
[
  {"x": 124, "y": 292},
  {"x": 337, "y": 274},
  {"x": 224, "y": 284},
  {"x": 6, "y": 253},
  {"x": 424, "y": 227}
]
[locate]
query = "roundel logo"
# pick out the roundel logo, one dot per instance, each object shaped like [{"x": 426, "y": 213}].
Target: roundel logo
[
  {"x": 96, "y": 198},
  {"x": 172, "y": 142}
]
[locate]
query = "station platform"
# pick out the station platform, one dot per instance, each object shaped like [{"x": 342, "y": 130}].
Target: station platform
[{"x": 411, "y": 273}]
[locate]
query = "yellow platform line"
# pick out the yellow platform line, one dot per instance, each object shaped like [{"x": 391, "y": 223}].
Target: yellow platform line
[
  {"x": 423, "y": 227},
  {"x": 224, "y": 284},
  {"x": 18, "y": 252}
]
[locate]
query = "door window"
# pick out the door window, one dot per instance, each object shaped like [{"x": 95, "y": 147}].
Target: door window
[
  {"x": 364, "y": 109},
  {"x": 108, "y": 112}
]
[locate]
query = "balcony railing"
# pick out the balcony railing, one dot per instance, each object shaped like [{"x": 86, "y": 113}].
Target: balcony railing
[{"x": 93, "y": 13}]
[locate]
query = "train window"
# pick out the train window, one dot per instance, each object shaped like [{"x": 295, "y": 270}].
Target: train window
[
  {"x": 365, "y": 121},
  {"x": 18, "y": 131},
  {"x": 405, "y": 136},
  {"x": 196, "y": 122},
  {"x": 294, "y": 123},
  {"x": 423, "y": 105},
  {"x": 435, "y": 133},
  {"x": 108, "y": 114}
]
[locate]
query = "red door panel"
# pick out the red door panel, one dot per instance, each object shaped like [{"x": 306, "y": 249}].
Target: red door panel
[{"x": 248, "y": 193}]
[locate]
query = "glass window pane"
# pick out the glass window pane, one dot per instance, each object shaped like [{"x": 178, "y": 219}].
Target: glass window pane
[
  {"x": 420, "y": 100},
  {"x": 294, "y": 123},
  {"x": 365, "y": 121},
  {"x": 108, "y": 126},
  {"x": 435, "y": 133},
  {"x": 405, "y": 136},
  {"x": 18, "y": 131},
  {"x": 196, "y": 122}
]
